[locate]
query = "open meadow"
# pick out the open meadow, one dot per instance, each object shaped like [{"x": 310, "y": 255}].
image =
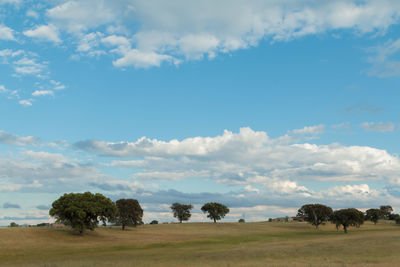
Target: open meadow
[{"x": 203, "y": 244}]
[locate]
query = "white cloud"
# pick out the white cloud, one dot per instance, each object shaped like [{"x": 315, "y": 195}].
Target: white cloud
[
  {"x": 12, "y": 139},
  {"x": 42, "y": 93},
  {"x": 140, "y": 59},
  {"x": 250, "y": 189},
  {"x": 77, "y": 16},
  {"x": 384, "y": 59},
  {"x": 28, "y": 66},
  {"x": 6, "y": 33},
  {"x": 57, "y": 85},
  {"x": 32, "y": 14},
  {"x": 175, "y": 30},
  {"x": 25, "y": 102},
  {"x": 249, "y": 157},
  {"x": 313, "y": 130},
  {"x": 44, "y": 33},
  {"x": 378, "y": 126}
]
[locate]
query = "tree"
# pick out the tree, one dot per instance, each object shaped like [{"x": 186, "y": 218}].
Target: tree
[
  {"x": 13, "y": 224},
  {"x": 386, "y": 211},
  {"x": 315, "y": 214},
  {"x": 181, "y": 211},
  {"x": 216, "y": 211},
  {"x": 154, "y": 222},
  {"x": 242, "y": 220},
  {"x": 347, "y": 217},
  {"x": 83, "y": 210},
  {"x": 373, "y": 215},
  {"x": 129, "y": 212}
]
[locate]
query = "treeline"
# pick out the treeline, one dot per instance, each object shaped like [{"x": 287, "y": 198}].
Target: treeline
[
  {"x": 318, "y": 214},
  {"x": 84, "y": 211}
]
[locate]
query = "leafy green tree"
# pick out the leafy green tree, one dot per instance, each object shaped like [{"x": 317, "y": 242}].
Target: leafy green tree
[
  {"x": 347, "y": 217},
  {"x": 374, "y": 215},
  {"x": 13, "y": 224},
  {"x": 216, "y": 211},
  {"x": 315, "y": 214},
  {"x": 181, "y": 211},
  {"x": 129, "y": 212},
  {"x": 83, "y": 210},
  {"x": 386, "y": 211},
  {"x": 242, "y": 220},
  {"x": 154, "y": 222}
]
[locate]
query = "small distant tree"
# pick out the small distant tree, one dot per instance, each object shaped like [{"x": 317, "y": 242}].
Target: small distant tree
[
  {"x": 386, "y": 211},
  {"x": 315, "y": 214},
  {"x": 181, "y": 211},
  {"x": 216, "y": 211},
  {"x": 241, "y": 221},
  {"x": 13, "y": 224},
  {"x": 154, "y": 222},
  {"x": 129, "y": 212},
  {"x": 347, "y": 217},
  {"x": 373, "y": 215},
  {"x": 83, "y": 210}
]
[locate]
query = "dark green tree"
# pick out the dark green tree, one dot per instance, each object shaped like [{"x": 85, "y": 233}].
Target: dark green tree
[
  {"x": 315, "y": 214},
  {"x": 216, "y": 211},
  {"x": 181, "y": 211},
  {"x": 347, "y": 217},
  {"x": 129, "y": 212},
  {"x": 242, "y": 220},
  {"x": 154, "y": 222},
  {"x": 386, "y": 211},
  {"x": 373, "y": 215},
  {"x": 83, "y": 210},
  {"x": 13, "y": 224}
]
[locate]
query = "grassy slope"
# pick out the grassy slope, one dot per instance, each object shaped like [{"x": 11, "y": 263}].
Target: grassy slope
[{"x": 255, "y": 244}]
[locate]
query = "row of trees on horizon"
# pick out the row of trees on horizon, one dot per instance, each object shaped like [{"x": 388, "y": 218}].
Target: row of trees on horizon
[{"x": 84, "y": 211}]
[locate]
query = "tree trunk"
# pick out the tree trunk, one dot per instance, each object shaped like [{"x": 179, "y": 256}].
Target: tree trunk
[
  {"x": 345, "y": 229},
  {"x": 316, "y": 227},
  {"x": 123, "y": 227},
  {"x": 215, "y": 220}
]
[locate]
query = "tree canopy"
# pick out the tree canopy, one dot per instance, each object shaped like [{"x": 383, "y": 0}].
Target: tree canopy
[
  {"x": 347, "y": 217},
  {"x": 386, "y": 211},
  {"x": 216, "y": 211},
  {"x": 315, "y": 214},
  {"x": 182, "y": 211},
  {"x": 129, "y": 212},
  {"x": 374, "y": 215},
  {"x": 83, "y": 210}
]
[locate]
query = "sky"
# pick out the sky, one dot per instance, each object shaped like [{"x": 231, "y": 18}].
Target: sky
[{"x": 260, "y": 105}]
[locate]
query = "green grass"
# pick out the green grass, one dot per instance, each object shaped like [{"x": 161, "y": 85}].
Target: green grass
[{"x": 204, "y": 244}]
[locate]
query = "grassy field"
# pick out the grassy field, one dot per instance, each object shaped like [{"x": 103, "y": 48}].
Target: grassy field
[{"x": 207, "y": 244}]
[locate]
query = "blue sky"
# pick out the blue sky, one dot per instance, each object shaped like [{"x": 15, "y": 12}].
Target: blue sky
[{"x": 262, "y": 105}]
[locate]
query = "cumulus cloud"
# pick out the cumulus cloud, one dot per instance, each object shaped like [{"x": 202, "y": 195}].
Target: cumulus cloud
[
  {"x": 47, "y": 33},
  {"x": 41, "y": 171},
  {"x": 260, "y": 171},
  {"x": 378, "y": 126},
  {"x": 247, "y": 156},
  {"x": 12, "y": 139},
  {"x": 172, "y": 31},
  {"x": 25, "y": 102},
  {"x": 43, "y": 93},
  {"x": 6, "y": 33}
]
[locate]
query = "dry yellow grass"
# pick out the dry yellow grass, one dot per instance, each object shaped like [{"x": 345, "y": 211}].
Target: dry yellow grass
[{"x": 208, "y": 244}]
